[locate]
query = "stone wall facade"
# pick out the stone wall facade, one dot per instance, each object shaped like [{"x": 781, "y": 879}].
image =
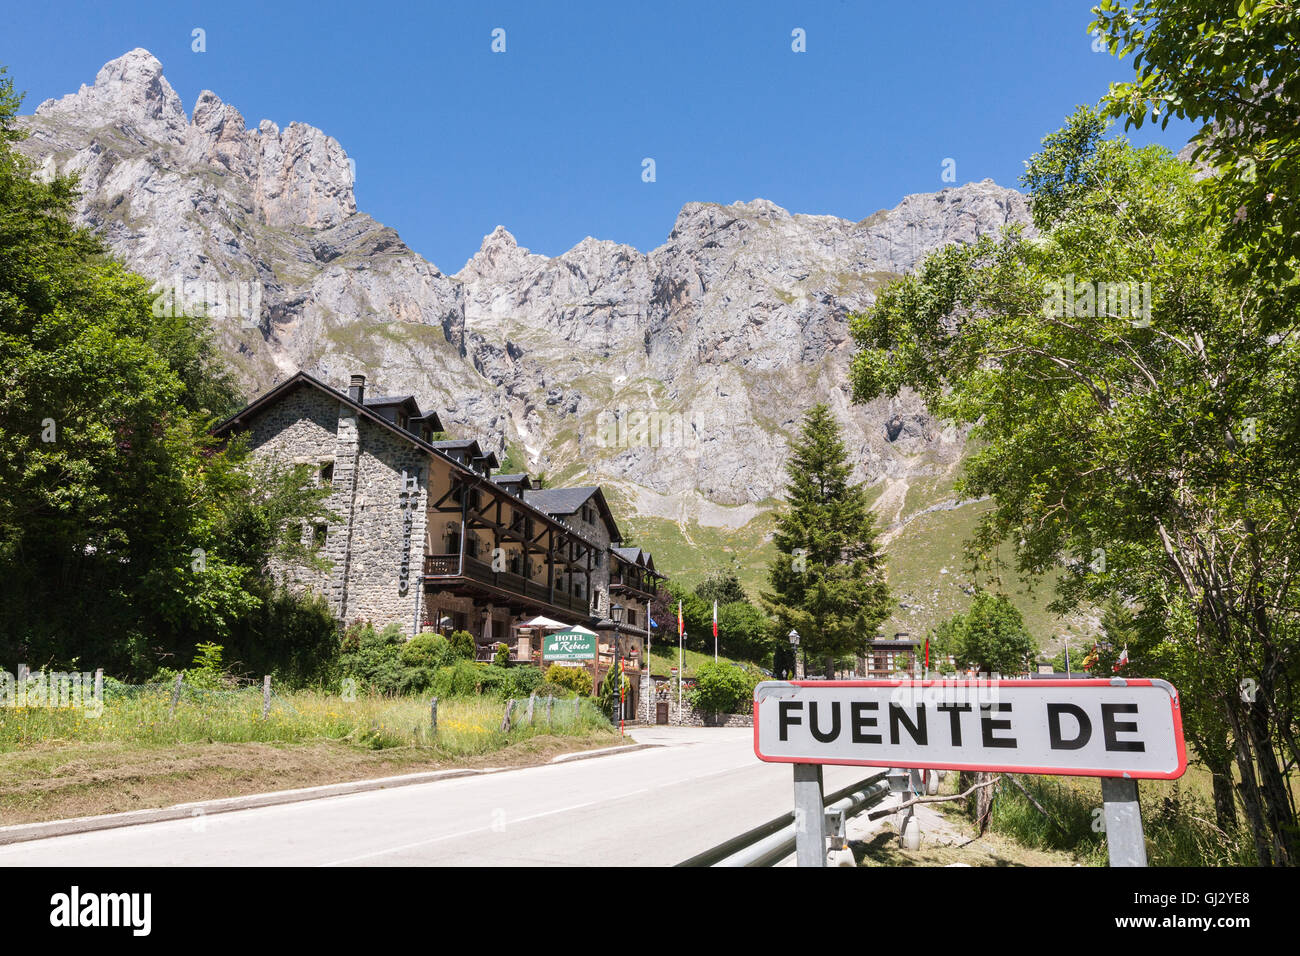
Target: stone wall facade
[
  {"x": 596, "y": 533},
  {"x": 374, "y": 543}
]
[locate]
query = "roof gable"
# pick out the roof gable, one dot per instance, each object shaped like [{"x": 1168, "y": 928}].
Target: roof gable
[{"x": 568, "y": 501}]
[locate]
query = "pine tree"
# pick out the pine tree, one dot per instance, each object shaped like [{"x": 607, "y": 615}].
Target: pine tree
[{"x": 827, "y": 581}]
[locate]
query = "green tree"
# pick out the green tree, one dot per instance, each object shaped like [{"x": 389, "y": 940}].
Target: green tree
[
  {"x": 608, "y": 697},
  {"x": 126, "y": 534},
  {"x": 1232, "y": 67},
  {"x": 744, "y": 632},
  {"x": 1136, "y": 431},
  {"x": 721, "y": 585},
  {"x": 463, "y": 645},
  {"x": 990, "y": 638},
  {"x": 827, "y": 581},
  {"x": 722, "y": 688}
]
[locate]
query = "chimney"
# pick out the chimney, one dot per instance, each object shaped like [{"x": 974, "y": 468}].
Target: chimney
[{"x": 357, "y": 389}]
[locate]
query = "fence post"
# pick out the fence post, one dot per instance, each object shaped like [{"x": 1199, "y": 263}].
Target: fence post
[
  {"x": 433, "y": 714},
  {"x": 99, "y": 684},
  {"x": 809, "y": 816},
  {"x": 550, "y": 702},
  {"x": 176, "y": 694},
  {"x": 505, "y": 721},
  {"x": 577, "y": 708},
  {"x": 266, "y": 696},
  {"x": 1125, "y": 841},
  {"x": 529, "y": 716}
]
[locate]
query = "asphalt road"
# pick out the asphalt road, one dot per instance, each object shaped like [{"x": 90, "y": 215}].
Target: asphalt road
[{"x": 652, "y": 807}]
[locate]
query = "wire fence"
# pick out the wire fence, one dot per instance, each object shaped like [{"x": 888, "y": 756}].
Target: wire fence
[{"x": 241, "y": 710}]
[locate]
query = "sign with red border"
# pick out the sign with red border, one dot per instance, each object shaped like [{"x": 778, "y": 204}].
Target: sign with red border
[{"x": 1087, "y": 728}]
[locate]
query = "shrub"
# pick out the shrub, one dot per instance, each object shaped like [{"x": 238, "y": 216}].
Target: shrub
[
  {"x": 427, "y": 650},
  {"x": 547, "y": 689},
  {"x": 609, "y": 689},
  {"x": 524, "y": 681},
  {"x": 462, "y": 644},
  {"x": 465, "y": 679},
  {"x": 456, "y": 680},
  {"x": 721, "y": 688},
  {"x": 493, "y": 680},
  {"x": 293, "y": 636},
  {"x": 574, "y": 679},
  {"x": 502, "y": 656},
  {"x": 377, "y": 661},
  {"x": 206, "y": 670}
]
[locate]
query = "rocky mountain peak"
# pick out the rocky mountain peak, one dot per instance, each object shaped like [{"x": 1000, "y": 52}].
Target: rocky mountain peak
[
  {"x": 295, "y": 177},
  {"x": 130, "y": 89}
]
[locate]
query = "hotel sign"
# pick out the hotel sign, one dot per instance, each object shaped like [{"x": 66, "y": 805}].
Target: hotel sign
[
  {"x": 569, "y": 646},
  {"x": 1092, "y": 728}
]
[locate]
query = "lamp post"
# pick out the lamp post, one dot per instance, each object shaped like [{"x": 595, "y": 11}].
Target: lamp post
[
  {"x": 794, "y": 649},
  {"x": 616, "y": 614}
]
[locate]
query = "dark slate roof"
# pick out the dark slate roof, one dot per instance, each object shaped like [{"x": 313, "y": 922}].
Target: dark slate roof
[
  {"x": 391, "y": 400},
  {"x": 560, "y": 501},
  {"x": 639, "y": 557},
  {"x": 566, "y": 501},
  {"x": 455, "y": 443},
  {"x": 510, "y": 479}
]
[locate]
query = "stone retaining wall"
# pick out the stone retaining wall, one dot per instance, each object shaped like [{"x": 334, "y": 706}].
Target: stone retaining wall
[{"x": 689, "y": 716}]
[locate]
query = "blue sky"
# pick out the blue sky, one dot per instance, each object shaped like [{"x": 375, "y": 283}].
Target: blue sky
[{"x": 548, "y": 138}]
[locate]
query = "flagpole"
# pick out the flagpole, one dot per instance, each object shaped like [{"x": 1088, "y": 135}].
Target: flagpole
[
  {"x": 681, "y": 632},
  {"x": 715, "y": 631}
]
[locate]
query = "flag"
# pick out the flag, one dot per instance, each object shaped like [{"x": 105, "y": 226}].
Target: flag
[
  {"x": 1123, "y": 659},
  {"x": 927, "y": 653},
  {"x": 715, "y": 620},
  {"x": 654, "y": 623}
]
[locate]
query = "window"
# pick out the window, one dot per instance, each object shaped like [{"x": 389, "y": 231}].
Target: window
[
  {"x": 319, "y": 534},
  {"x": 326, "y": 476}
]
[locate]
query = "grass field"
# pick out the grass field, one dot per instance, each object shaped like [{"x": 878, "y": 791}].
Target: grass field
[
  {"x": 1177, "y": 817},
  {"x": 61, "y": 762}
]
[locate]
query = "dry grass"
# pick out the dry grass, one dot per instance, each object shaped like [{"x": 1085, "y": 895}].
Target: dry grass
[
  {"x": 53, "y": 783},
  {"x": 941, "y": 849}
]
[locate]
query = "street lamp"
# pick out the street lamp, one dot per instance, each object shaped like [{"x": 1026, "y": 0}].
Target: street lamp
[
  {"x": 794, "y": 650},
  {"x": 616, "y": 614}
]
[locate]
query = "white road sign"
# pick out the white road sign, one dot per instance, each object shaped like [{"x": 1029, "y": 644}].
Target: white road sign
[{"x": 1092, "y": 728}]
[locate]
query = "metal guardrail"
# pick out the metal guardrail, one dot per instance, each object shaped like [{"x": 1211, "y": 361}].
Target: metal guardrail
[{"x": 773, "y": 841}]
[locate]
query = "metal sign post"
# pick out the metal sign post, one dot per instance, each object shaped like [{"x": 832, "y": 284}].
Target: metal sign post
[
  {"x": 809, "y": 816},
  {"x": 1125, "y": 841}
]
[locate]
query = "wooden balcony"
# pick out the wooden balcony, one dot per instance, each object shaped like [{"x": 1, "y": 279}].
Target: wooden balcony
[
  {"x": 476, "y": 577},
  {"x": 630, "y": 584}
]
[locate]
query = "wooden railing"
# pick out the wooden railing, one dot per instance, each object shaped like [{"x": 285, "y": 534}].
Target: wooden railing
[
  {"x": 449, "y": 566},
  {"x": 631, "y": 583}
]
